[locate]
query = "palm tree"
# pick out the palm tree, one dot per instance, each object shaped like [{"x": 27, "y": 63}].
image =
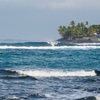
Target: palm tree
[
  {"x": 72, "y": 23},
  {"x": 62, "y": 30},
  {"x": 73, "y": 31},
  {"x": 86, "y": 23}
]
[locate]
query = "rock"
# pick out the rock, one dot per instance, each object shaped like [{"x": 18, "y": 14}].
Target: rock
[{"x": 87, "y": 98}]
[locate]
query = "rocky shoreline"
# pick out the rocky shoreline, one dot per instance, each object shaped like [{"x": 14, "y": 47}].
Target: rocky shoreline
[
  {"x": 88, "y": 98},
  {"x": 62, "y": 40}
]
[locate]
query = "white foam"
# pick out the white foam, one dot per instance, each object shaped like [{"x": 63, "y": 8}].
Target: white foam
[
  {"x": 50, "y": 47},
  {"x": 88, "y": 44},
  {"x": 55, "y": 73},
  {"x": 14, "y": 98},
  {"x": 98, "y": 98},
  {"x": 52, "y": 43}
]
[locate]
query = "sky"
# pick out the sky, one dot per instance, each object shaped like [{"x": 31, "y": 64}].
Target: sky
[{"x": 38, "y": 20}]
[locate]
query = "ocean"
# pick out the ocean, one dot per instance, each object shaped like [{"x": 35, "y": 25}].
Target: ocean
[{"x": 49, "y": 71}]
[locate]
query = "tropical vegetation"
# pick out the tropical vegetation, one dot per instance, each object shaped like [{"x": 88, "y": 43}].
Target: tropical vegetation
[{"x": 78, "y": 30}]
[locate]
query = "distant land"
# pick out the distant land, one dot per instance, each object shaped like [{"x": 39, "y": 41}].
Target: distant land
[{"x": 79, "y": 33}]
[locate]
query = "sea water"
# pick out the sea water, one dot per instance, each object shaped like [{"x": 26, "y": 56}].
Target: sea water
[{"x": 46, "y": 71}]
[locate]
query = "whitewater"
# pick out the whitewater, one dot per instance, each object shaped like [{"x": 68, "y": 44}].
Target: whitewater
[
  {"x": 49, "y": 71},
  {"x": 50, "y": 47}
]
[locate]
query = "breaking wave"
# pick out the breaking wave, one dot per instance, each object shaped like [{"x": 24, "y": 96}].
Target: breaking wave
[
  {"x": 50, "y": 47},
  {"x": 50, "y": 73},
  {"x": 57, "y": 73},
  {"x": 11, "y": 74}
]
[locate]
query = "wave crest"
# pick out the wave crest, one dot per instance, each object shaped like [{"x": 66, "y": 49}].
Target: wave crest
[
  {"x": 50, "y": 47},
  {"x": 50, "y": 73},
  {"x": 45, "y": 73}
]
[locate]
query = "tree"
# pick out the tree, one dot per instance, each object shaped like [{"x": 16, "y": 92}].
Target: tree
[
  {"x": 72, "y": 23},
  {"x": 80, "y": 30},
  {"x": 86, "y": 23},
  {"x": 62, "y": 30},
  {"x": 91, "y": 31}
]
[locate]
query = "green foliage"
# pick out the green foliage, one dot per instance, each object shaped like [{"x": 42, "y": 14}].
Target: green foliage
[{"x": 81, "y": 29}]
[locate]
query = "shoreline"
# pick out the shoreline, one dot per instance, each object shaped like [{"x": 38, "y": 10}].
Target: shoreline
[{"x": 62, "y": 40}]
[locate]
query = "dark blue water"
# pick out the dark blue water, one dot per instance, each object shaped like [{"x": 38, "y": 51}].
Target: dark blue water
[{"x": 49, "y": 71}]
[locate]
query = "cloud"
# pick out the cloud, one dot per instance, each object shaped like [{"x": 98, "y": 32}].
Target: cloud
[
  {"x": 63, "y": 4},
  {"x": 55, "y": 4},
  {"x": 67, "y": 4},
  {"x": 87, "y": 3},
  {"x": 42, "y": 4}
]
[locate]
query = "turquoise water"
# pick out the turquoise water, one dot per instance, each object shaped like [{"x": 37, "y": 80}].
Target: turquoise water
[{"x": 49, "y": 71}]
